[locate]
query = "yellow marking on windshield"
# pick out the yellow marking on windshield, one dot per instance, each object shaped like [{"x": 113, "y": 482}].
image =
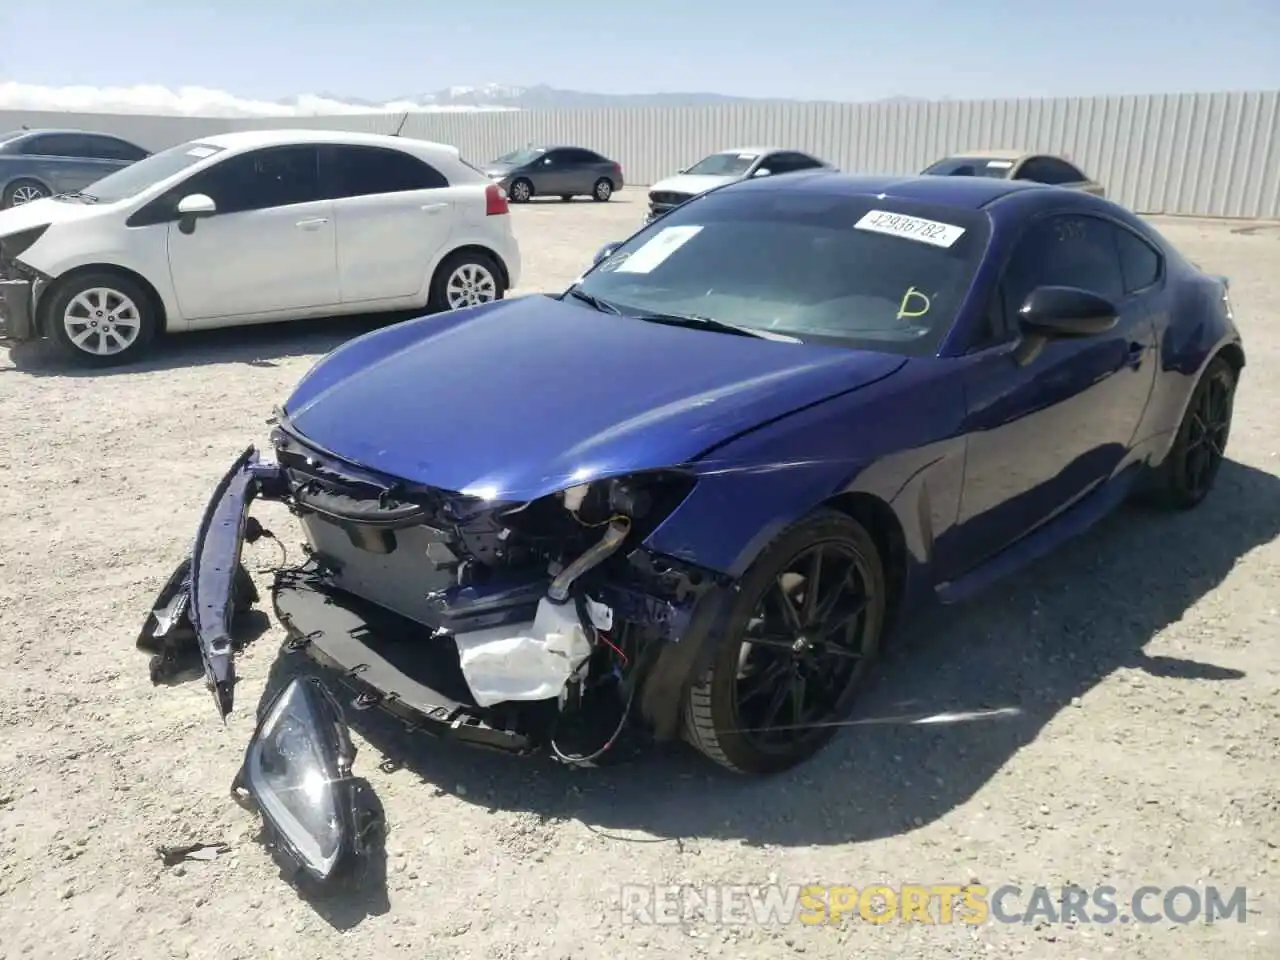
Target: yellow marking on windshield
[{"x": 904, "y": 308}]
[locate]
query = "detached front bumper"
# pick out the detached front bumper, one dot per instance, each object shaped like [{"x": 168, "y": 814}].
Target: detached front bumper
[
  {"x": 201, "y": 597},
  {"x": 381, "y": 658}
]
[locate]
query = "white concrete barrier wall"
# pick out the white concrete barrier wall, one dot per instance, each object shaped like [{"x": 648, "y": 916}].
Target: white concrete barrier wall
[{"x": 1191, "y": 154}]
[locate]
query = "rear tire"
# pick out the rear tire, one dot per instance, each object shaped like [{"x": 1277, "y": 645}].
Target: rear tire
[
  {"x": 465, "y": 279},
  {"x": 22, "y": 191},
  {"x": 1187, "y": 474},
  {"x": 602, "y": 190},
  {"x": 778, "y": 651},
  {"x": 101, "y": 319}
]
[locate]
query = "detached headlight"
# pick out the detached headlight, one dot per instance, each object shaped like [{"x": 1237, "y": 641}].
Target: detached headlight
[{"x": 297, "y": 769}]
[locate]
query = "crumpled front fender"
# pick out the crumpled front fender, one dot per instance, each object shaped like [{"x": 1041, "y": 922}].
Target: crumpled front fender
[{"x": 197, "y": 604}]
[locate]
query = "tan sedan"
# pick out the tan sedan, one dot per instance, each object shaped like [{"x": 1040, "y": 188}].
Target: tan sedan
[{"x": 1016, "y": 165}]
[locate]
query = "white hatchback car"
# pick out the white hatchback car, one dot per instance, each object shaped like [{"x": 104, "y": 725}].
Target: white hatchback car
[{"x": 254, "y": 227}]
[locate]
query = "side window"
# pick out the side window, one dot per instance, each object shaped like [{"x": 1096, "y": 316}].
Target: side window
[
  {"x": 57, "y": 145},
  {"x": 274, "y": 177},
  {"x": 552, "y": 158},
  {"x": 778, "y": 163},
  {"x": 1050, "y": 170},
  {"x": 109, "y": 148},
  {"x": 802, "y": 161},
  {"x": 1064, "y": 250},
  {"x": 1141, "y": 263},
  {"x": 579, "y": 158},
  {"x": 366, "y": 171}
]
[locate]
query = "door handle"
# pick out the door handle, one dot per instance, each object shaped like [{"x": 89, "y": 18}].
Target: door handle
[
  {"x": 312, "y": 224},
  {"x": 433, "y": 207}
]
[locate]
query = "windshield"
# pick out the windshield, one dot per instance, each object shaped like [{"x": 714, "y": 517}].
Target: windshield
[
  {"x": 970, "y": 167},
  {"x": 723, "y": 165},
  {"x": 133, "y": 179},
  {"x": 868, "y": 273},
  {"x": 518, "y": 158}
]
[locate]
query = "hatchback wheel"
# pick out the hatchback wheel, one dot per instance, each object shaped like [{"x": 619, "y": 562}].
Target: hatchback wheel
[
  {"x": 1187, "y": 474},
  {"x": 521, "y": 191},
  {"x": 802, "y": 635},
  {"x": 23, "y": 191},
  {"x": 101, "y": 319},
  {"x": 465, "y": 279},
  {"x": 602, "y": 191}
]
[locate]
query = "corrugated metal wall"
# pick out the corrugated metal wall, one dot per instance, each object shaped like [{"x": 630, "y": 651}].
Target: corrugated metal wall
[{"x": 1199, "y": 154}]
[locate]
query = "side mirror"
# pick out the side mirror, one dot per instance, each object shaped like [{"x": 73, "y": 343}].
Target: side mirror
[
  {"x": 1058, "y": 313},
  {"x": 605, "y": 251},
  {"x": 197, "y": 205},
  {"x": 683, "y": 170},
  {"x": 762, "y": 172},
  {"x": 192, "y": 208}
]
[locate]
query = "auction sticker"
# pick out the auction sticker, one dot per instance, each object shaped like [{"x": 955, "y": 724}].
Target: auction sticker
[
  {"x": 655, "y": 251},
  {"x": 913, "y": 228}
]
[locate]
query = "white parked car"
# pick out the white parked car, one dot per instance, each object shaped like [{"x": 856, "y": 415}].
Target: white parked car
[
  {"x": 726, "y": 167},
  {"x": 254, "y": 227}
]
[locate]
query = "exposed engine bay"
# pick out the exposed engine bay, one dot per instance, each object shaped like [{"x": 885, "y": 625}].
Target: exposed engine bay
[{"x": 521, "y": 626}]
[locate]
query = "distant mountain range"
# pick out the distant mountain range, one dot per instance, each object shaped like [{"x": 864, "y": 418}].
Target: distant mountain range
[{"x": 498, "y": 96}]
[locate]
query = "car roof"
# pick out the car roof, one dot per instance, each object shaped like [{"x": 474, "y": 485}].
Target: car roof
[
  {"x": 991, "y": 154},
  {"x": 754, "y": 150},
  {"x": 62, "y": 130},
  {"x": 969, "y": 193},
  {"x": 250, "y": 139}
]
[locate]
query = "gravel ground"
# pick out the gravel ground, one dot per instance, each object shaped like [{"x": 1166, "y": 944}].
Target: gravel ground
[{"x": 1139, "y": 669}]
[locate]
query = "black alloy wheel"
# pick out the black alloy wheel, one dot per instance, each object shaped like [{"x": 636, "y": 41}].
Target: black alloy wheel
[
  {"x": 801, "y": 639},
  {"x": 1188, "y": 473}
]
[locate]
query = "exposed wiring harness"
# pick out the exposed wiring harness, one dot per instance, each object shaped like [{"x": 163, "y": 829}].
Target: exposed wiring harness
[{"x": 598, "y": 637}]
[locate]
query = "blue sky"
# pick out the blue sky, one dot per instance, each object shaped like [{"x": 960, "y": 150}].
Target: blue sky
[{"x": 828, "y": 49}]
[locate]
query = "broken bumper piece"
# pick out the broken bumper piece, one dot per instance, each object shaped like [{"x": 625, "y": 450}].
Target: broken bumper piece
[
  {"x": 388, "y": 661},
  {"x": 202, "y": 595},
  {"x": 17, "y": 314}
]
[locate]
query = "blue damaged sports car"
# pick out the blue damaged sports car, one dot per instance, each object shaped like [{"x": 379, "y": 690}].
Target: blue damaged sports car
[{"x": 693, "y": 493}]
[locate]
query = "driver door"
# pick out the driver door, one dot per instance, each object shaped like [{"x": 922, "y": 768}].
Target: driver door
[
  {"x": 1041, "y": 436},
  {"x": 553, "y": 174},
  {"x": 271, "y": 247}
]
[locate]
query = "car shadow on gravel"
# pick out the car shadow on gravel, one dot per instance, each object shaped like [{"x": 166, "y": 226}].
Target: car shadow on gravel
[
  {"x": 956, "y": 696},
  {"x": 256, "y": 345}
]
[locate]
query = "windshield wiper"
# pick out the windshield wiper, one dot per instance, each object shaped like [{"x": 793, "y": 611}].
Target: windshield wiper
[
  {"x": 76, "y": 195},
  {"x": 604, "y": 306},
  {"x": 720, "y": 326}
]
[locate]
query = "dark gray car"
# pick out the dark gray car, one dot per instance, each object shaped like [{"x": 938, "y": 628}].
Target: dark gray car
[
  {"x": 564, "y": 172},
  {"x": 40, "y": 163}
]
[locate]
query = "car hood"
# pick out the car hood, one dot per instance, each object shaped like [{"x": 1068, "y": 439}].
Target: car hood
[
  {"x": 517, "y": 399},
  {"x": 39, "y": 213},
  {"x": 690, "y": 183}
]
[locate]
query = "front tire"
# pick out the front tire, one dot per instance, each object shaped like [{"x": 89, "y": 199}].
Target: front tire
[
  {"x": 521, "y": 191},
  {"x": 602, "y": 191},
  {"x": 465, "y": 279},
  {"x": 101, "y": 319},
  {"x": 1187, "y": 474},
  {"x": 791, "y": 659}
]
